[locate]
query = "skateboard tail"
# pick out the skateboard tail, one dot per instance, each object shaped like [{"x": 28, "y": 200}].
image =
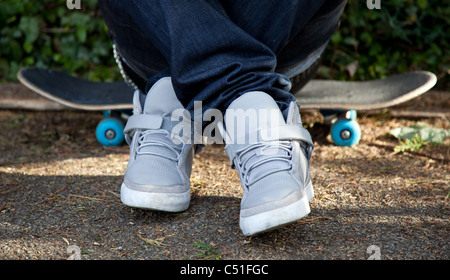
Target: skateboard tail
[
  {"x": 76, "y": 93},
  {"x": 365, "y": 95}
]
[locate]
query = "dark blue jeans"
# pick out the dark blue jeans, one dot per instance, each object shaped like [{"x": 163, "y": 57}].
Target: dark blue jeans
[{"x": 217, "y": 50}]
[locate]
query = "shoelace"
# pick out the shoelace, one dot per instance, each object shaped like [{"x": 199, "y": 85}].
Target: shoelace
[
  {"x": 158, "y": 138},
  {"x": 253, "y": 156}
]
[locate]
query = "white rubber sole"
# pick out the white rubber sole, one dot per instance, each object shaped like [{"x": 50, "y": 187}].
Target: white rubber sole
[
  {"x": 276, "y": 218},
  {"x": 168, "y": 202}
]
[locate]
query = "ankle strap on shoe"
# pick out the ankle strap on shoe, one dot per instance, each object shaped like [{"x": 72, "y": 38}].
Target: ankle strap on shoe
[
  {"x": 143, "y": 121},
  {"x": 286, "y": 132}
]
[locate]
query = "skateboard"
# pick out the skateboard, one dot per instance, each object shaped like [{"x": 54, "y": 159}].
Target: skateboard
[
  {"x": 114, "y": 99},
  {"x": 338, "y": 101}
]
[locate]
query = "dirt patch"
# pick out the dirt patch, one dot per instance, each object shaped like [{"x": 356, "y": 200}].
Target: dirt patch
[{"x": 59, "y": 187}]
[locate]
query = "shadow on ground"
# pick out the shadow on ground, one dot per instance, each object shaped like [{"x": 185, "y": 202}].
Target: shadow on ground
[{"x": 58, "y": 187}]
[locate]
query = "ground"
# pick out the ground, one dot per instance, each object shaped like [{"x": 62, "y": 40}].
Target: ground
[{"x": 59, "y": 187}]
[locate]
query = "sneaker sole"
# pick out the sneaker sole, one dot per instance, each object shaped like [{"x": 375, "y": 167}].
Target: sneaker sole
[
  {"x": 279, "y": 217},
  {"x": 167, "y": 202}
]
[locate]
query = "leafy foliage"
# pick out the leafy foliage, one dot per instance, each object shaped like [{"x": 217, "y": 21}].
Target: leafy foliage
[
  {"x": 208, "y": 252},
  {"x": 416, "y": 143},
  {"x": 48, "y": 34},
  {"x": 423, "y": 131},
  {"x": 403, "y": 35}
]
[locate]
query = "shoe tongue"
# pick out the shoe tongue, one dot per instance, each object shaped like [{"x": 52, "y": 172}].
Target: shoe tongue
[
  {"x": 161, "y": 98},
  {"x": 268, "y": 115},
  {"x": 158, "y": 143},
  {"x": 260, "y": 103},
  {"x": 258, "y": 112},
  {"x": 259, "y": 154}
]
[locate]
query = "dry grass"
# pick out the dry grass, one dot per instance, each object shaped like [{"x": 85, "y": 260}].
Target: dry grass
[{"x": 58, "y": 186}]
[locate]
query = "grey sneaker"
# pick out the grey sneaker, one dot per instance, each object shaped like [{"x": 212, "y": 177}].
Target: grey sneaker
[
  {"x": 159, "y": 167},
  {"x": 272, "y": 158}
]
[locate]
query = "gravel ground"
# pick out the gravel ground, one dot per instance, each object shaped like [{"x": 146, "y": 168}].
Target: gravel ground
[{"x": 59, "y": 187}]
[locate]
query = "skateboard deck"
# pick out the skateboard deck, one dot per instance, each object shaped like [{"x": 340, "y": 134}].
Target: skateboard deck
[
  {"x": 82, "y": 94},
  {"x": 365, "y": 95},
  {"x": 343, "y": 97},
  {"x": 77, "y": 93}
]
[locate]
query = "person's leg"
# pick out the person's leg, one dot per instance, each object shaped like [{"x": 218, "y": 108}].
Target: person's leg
[
  {"x": 273, "y": 23},
  {"x": 270, "y": 149},
  {"x": 160, "y": 162},
  {"x": 213, "y": 60},
  {"x": 305, "y": 47},
  {"x": 298, "y": 37},
  {"x": 208, "y": 56},
  {"x": 135, "y": 48}
]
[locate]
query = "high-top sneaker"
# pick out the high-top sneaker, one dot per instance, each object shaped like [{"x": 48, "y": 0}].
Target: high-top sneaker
[
  {"x": 272, "y": 157},
  {"x": 160, "y": 163}
]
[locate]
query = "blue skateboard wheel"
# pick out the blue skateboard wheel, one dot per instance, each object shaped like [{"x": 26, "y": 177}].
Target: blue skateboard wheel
[
  {"x": 346, "y": 133},
  {"x": 109, "y": 132}
]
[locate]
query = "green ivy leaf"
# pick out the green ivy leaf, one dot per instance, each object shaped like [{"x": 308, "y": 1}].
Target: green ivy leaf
[
  {"x": 30, "y": 28},
  {"x": 82, "y": 34},
  {"x": 28, "y": 47}
]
